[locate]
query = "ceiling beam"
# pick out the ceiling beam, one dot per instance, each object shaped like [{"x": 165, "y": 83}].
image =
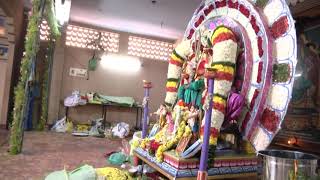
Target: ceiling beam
[{"x": 304, "y": 6}]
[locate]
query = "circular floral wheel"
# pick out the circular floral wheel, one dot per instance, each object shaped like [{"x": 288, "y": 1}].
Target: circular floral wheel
[{"x": 266, "y": 32}]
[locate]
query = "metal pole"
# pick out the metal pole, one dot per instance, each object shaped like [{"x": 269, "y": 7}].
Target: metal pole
[
  {"x": 147, "y": 87},
  {"x": 202, "y": 173}
]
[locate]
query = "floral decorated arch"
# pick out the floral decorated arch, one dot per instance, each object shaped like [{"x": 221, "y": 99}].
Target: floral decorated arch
[{"x": 265, "y": 64}]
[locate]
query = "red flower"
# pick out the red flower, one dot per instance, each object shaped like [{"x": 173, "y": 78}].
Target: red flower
[
  {"x": 260, "y": 72},
  {"x": 233, "y": 4},
  {"x": 200, "y": 8},
  {"x": 191, "y": 31},
  {"x": 254, "y": 97},
  {"x": 208, "y": 10},
  {"x": 223, "y": 37},
  {"x": 254, "y": 25},
  {"x": 238, "y": 84},
  {"x": 256, "y": 28},
  {"x": 194, "y": 46},
  {"x": 154, "y": 145},
  {"x": 244, "y": 10},
  {"x": 220, "y": 4},
  {"x": 260, "y": 46},
  {"x": 280, "y": 27},
  {"x": 199, "y": 21},
  {"x": 219, "y": 107},
  {"x": 270, "y": 120},
  {"x": 253, "y": 20},
  {"x": 213, "y": 132}
]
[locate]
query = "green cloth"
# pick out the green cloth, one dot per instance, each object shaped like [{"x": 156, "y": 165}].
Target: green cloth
[
  {"x": 84, "y": 172},
  {"x": 117, "y": 158},
  {"x": 122, "y": 101},
  {"x": 181, "y": 91},
  {"x": 192, "y": 93}
]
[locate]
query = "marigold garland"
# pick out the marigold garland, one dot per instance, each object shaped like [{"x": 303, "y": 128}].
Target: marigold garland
[
  {"x": 166, "y": 146},
  {"x": 113, "y": 173}
]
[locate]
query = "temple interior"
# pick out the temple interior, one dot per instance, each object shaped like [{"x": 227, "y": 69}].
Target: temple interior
[{"x": 159, "y": 89}]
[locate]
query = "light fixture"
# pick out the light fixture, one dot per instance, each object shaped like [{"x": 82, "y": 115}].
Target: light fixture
[
  {"x": 292, "y": 141},
  {"x": 120, "y": 63},
  {"x": 62, "y": 9}
]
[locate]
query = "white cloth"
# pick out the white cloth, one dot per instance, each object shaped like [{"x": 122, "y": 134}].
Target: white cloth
[
  {"x": 121, "y": 130},
  {"x": 74, "y": 100}
]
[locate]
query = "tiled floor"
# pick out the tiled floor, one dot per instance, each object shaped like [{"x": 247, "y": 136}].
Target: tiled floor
[{"x": 44, "y": 152}]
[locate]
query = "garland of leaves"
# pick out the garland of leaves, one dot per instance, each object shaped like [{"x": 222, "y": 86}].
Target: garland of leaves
[
  {"x": 281, "y": 72},
  {"x": 45, "y": 89},
  {"x": 21, "y": 90},
  {"x": 31, "y": 48},
  {"x": 55, "y": 33}
]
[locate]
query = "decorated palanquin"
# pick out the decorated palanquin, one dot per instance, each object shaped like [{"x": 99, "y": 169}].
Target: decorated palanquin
[{"x": 228, "y": 86}]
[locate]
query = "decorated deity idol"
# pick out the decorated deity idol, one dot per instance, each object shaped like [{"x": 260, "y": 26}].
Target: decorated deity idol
[
  {"x": 161, "y": 112},
  {"x": 178, "y": 111},
  {"x": 193, "y": 121},
  {"x": 187, "y": 75}
]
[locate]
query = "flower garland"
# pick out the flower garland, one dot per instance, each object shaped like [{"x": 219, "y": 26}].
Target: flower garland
[
  {"x": 277, "y": 97},
  {"x": 144, "y": 143},
  {"x": 281, "y": 72},
  {"x": 134, "y": 145},
  {"x": 166, "y": 146},
  {"x": 280, "y": 27},
  {"x": 270, "y": 120},
  {"x": 187, "y": 131},
  {"x": 113, "y": 173},
  {"x": 177, "y": 59},
  {"x": 224, "y": 56}
]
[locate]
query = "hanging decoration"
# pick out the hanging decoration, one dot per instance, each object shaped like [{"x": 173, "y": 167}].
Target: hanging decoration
[
  {"x": 31, "y": 49},
  {"x": 55, "y": 35}
]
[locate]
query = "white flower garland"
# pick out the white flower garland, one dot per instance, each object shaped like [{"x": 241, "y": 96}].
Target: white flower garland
[
  {"x": 174, "y": 71},
  {"x": 261, "y": 139},
  {"x": 217, "y": 119},
  {"x": 171, "y": 97},
  {"x": 184, "y": 48},
  {"x": 283, "y": 47},
  {"x": 277, "y": 97},
  {"x": 222, "y": 87},
  {"x": 272, "y": 11},
  {"x": 224, "y": 51},
  {"x": 254, "y": 72}
]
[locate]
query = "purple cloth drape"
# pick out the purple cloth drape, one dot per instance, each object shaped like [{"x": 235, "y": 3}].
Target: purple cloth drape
[{"x": 234, "y": 106}]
